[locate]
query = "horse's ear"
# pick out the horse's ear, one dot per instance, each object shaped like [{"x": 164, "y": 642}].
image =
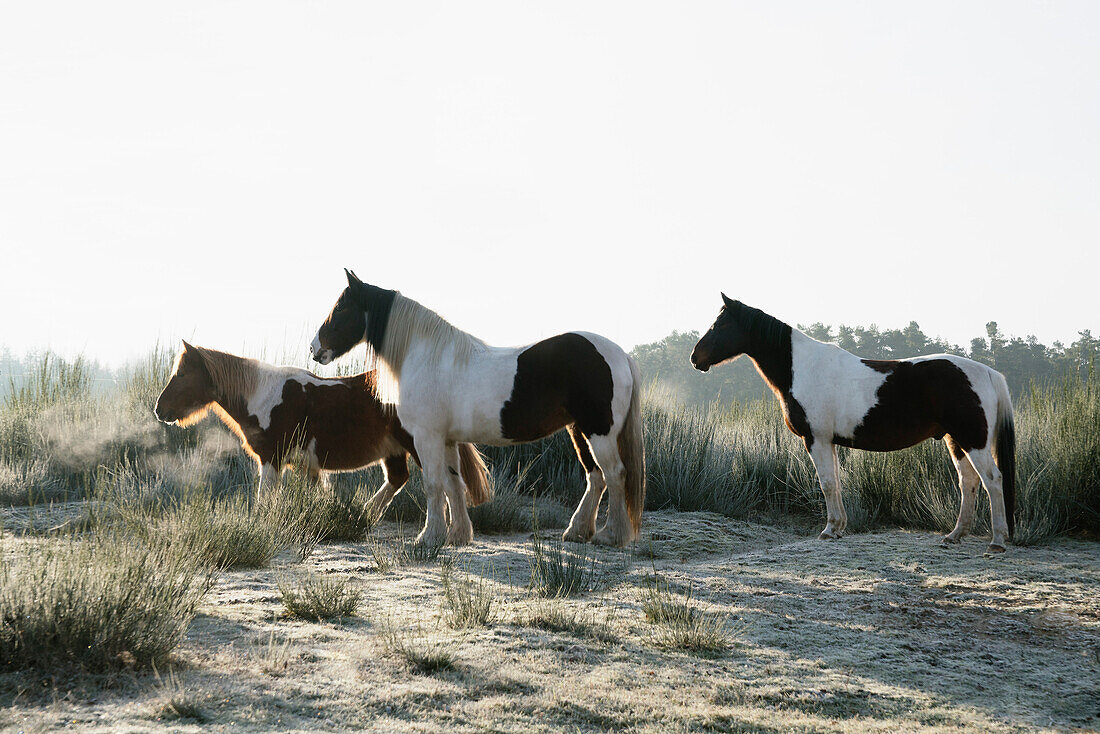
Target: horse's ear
[
  {"x": 186, "y": 347},
  {"x": 353, "y": 279},
  {"x": 728, "y": 301}
]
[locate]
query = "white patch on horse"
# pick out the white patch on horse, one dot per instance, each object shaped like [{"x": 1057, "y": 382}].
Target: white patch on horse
[
  {"x": 269, "y": 389},
  {"x": 834, "y": 387}
]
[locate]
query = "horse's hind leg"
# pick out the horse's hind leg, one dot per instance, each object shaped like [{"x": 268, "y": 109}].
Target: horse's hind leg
[
  {"x": 828, "y": 473},
  {"x": 396, "y": 471},
  {"x": 617, "y": 531},
  {"x": 982, "y": 459},
  {"x": 969, "y": 481},
  {"x": 582, "y": 526}
]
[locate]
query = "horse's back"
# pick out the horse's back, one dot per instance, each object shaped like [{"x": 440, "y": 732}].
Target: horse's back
[{"x": 339, "y": 419}]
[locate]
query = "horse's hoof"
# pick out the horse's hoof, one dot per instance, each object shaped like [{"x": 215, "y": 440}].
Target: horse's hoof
[
  {"x": 993, "y": 548},
  {"x": 460, "y": 537},
  {"x": 827, "y": 535},
  {"x": 605, "y": 538},
  {"x": 948, "y": 540},
  {"x": 575, "y": 536}
]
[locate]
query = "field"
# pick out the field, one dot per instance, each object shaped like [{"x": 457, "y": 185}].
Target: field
[{"x": 141, "y": 590}]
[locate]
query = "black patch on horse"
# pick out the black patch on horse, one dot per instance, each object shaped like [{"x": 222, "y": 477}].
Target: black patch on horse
[
  {"x": 767, "y": 340},
  {"x": 559, "y": 381},
  {"x": 920, "y": 400},
  {"x": 376, "y": 303}
]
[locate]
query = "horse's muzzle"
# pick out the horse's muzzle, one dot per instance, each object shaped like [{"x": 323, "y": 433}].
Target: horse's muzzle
[{"x": 323, "y": 356}]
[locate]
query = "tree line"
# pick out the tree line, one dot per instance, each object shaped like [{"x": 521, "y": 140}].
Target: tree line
[{"x": 1023, "y": 360}]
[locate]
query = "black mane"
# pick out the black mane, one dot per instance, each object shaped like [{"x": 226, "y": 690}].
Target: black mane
[
  {"x": 765, "y": 332},
  {"x": 376, "y": 303}
]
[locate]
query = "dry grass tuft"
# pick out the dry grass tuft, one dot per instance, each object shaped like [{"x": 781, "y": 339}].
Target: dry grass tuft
[
  {"x": 557, "y": 572},
  {"x": 320, "y": 597},
  {"x": 681, "y": 626},
  {"x": 422, "y": 655},
  {"x": 468, "y": 601},
  {"x": 553, "y": 615}
]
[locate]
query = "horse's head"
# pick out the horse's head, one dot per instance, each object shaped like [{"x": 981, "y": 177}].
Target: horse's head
[
  {"x": 725, "y": 340},
  {"x": 189, "y": 391},
  {"x": 345, "y": 326},
  {"x": 361, "y": 314}
]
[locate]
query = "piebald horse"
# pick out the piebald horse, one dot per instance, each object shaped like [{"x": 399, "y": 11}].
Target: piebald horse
[
  {"x": 283, "y": 414},
  {"x": 448, "y": 386},
  {"x": 832, "y": 398}
]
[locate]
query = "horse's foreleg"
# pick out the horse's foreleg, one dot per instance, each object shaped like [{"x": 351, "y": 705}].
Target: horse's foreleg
[
  {"x": 433, "y": 462},
  {"x": 969, "y": 481},
  {"x": 461, "y": 531},
  {"x": 827, "y": 465},
  {"x": 982, "y": 459},
  {"x": 396, "y": 471},
  {"x": 269, "y": 477}
]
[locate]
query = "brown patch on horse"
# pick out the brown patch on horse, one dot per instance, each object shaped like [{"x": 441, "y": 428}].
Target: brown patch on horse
[
  {"x": 559, "y": 381},
  {"x": 339, "y": 420},
  {"x": 920, "y": 400}
]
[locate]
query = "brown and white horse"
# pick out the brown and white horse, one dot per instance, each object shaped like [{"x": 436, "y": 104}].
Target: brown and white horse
[
  {"x": 832, "y": 398},
  {"x": 448, "y": 386},
  {"x": 286, "y": 414}
]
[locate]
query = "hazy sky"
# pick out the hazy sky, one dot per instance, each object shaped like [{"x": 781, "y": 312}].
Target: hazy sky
[{"x": 206, "y": 169}]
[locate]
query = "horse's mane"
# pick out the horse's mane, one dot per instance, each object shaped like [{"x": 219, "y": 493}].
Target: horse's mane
[
  {"x": 409, "y": 323},
  {"x": 764, "y": 330},
  {"x": 234, "y": 378}
]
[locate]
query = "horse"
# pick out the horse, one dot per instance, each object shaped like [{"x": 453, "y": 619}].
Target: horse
[
  {"x": 449, "y": 386},
  {"x": 831, "y": 397},
  {"x": 284, "y": 414}
]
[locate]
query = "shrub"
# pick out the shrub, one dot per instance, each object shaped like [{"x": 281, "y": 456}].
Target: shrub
[
  {"x": 96, "y": 604},
  {"x": 320, "y": 597}
]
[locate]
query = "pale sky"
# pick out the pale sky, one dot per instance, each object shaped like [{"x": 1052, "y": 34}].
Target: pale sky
[{"x": 206, "y": 169}]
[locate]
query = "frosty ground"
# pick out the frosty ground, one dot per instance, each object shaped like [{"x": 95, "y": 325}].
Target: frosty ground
[{"x": 883, "y": 631}]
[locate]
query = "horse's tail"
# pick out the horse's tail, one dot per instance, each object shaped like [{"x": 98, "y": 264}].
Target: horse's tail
[
  {"x": 1004, "y": 449},
  {"x": 632, "y": 451},
  {"x": 475, "y": 475}
]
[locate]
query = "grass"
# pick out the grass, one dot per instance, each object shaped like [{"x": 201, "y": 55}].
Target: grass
[
  {"x": 320, "y": 597},
  {"x": 272, "y": 654},
  {"x": 97, "y": 604},
  {"x": 554, "y": 615},
  {"x": 175, "y": 703},
  {"x": 401, "y": 551},
  {"x": 423, "y": 656},
  {"x": 682, "y": 626},
  {"x": 558, "y": 572},
  {"x": 468, "y": 601}
]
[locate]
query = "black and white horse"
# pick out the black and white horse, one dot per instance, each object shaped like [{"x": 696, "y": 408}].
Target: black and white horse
[
  {"x": 449, "y": 387},
  {"x": 832, "y": 398}
]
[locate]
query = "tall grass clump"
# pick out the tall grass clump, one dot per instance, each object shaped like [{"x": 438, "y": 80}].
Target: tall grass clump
[
  {"x": 423, "y": 655},
  {"x": 228, "y": 532},
  {"x": 681, "y": 626},
  {"x": 557, "y": 572},
  {"x": 468, "y": 601},
  {"x": 96, "y": 604},
  {"x": 518, "y": 503},
  {"x": 399, "y": 552},
  {"x": 320, "y": 597}
]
